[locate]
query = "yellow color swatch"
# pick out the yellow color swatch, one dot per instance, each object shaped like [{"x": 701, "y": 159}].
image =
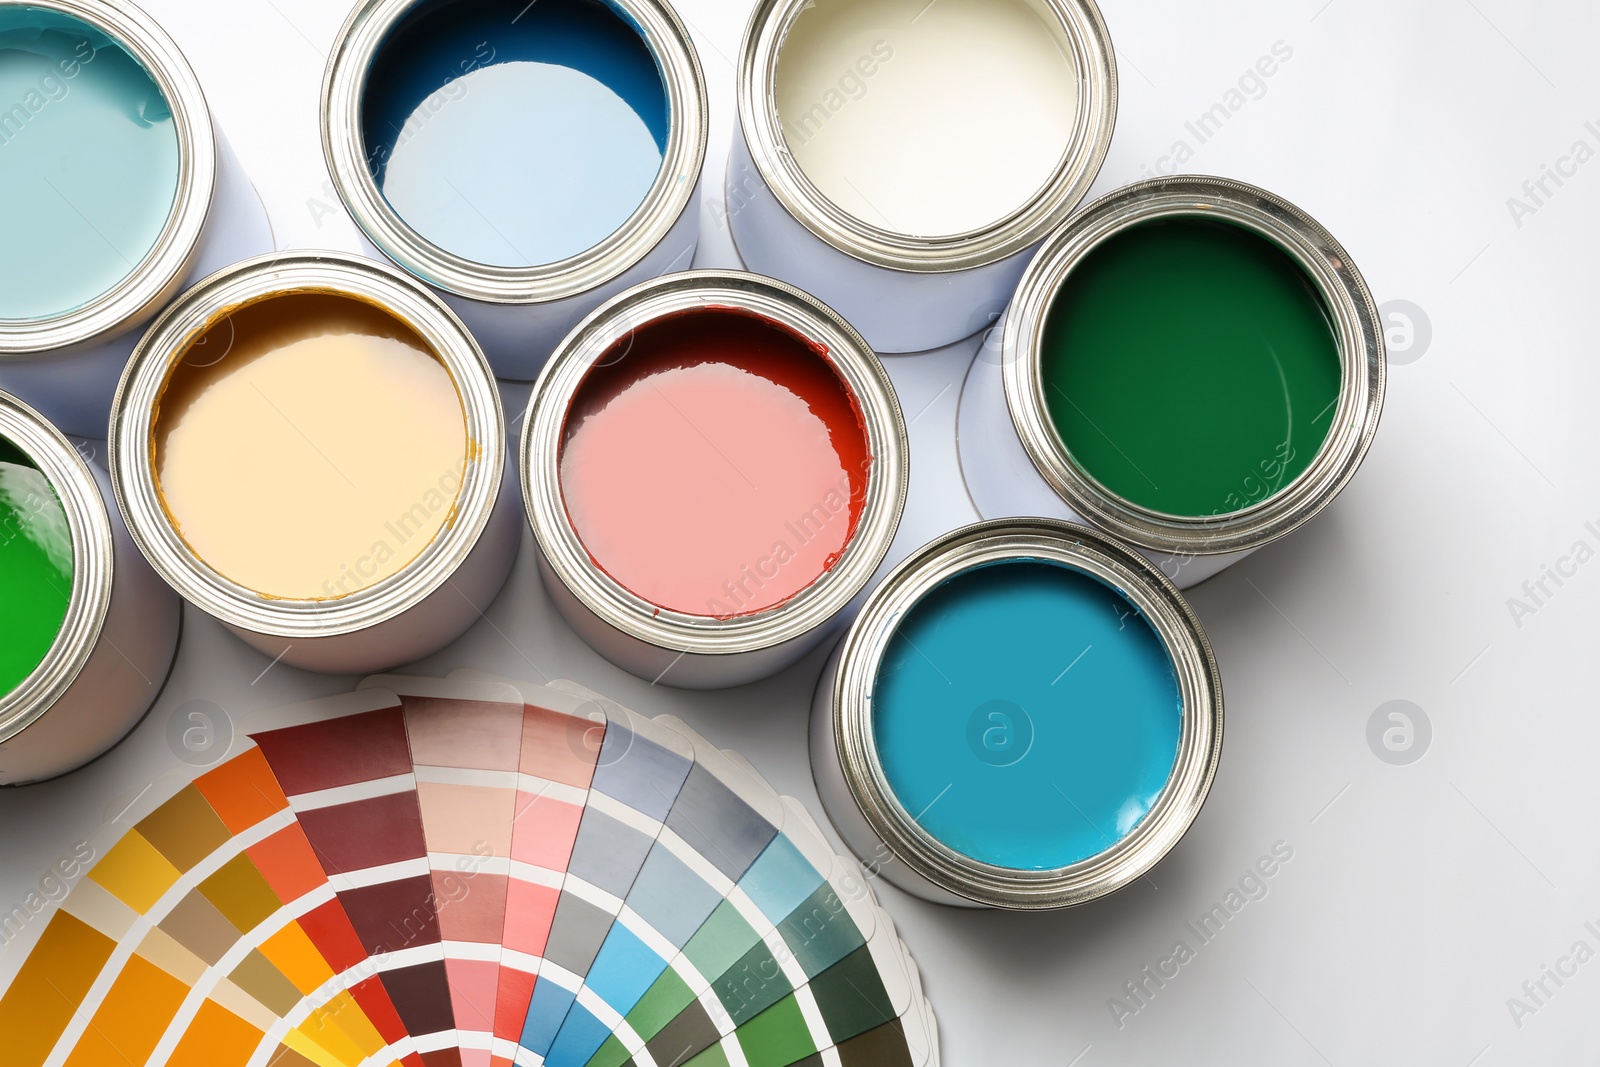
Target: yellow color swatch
[
  {"x": 241, "y": 894},
  {"x": 293, "y": 953},
  {"x": 216, "y": 1038},
  {"x": 47, "y": 991},
  {"x": 344, "y": 1014},
  {"x": 135, "y": 873},
  {"x": 132, "y": 1018},
  {"x": 300, "y": 1042},
  {"x": 288, "y": 1057}
]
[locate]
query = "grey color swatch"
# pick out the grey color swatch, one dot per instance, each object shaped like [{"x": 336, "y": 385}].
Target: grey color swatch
[
  {"x": 576, "y": 935},
  {"x": 608, "y": 853},
  {"x": 671, "y": 897},
  {"x": 718, "y": 825}
]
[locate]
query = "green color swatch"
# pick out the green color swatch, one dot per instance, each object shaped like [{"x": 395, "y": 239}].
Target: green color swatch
[
  {"x": 1190, "y": 367},
  {"x": 778, "y": 1037},
  {"x": 35, "y": 566}
]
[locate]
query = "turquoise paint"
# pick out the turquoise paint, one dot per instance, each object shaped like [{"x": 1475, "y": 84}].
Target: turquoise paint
[
  {"x": 1026, "y": 714},
  {"x": 514, "y": 134},
  {"x": 88, "y": 163}
]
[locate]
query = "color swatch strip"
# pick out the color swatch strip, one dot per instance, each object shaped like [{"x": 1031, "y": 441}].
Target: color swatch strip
[{"x": 470, "y": 872}]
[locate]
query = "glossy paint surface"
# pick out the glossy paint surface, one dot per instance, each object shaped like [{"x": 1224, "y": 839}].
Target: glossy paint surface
[
  {"x": 1026, "y": 715},
  {"x": 514, "y": 134},
  {"x": 714, "y": 463},
  {"x": 89, "y": 163}
]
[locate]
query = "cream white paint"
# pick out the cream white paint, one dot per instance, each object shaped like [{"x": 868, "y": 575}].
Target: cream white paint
[
  {"x": 924, "y": 119},
  {"x": 317, "y": 458}
]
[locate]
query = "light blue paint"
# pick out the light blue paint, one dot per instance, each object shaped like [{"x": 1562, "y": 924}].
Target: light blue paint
[
  {"x": 580, "y": 1039},
  {"x": 514, "y": 134},
  {"x": 623, "y": 971},
  {"x": 88, "y": 163},
  {"x": 1027, "y": 715},
  {"x": 669, "y": 896},
  {"x": 781, "y": 880},
  {"x": 546, "y": 1012}
]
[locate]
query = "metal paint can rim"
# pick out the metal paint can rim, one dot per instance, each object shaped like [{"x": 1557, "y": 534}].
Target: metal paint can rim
[
  {"x": 344, "y": 84},
  {"x": 1162, "y": 605},
  {"x": 1345, "y": 296},
  {"x": 1089, "y": 41},
  {"x": 156, "y": 277},
  {"x": 93, "y": 565},
  {"x": 851, "y": 358},
  {"x": 252, "y": 281}
]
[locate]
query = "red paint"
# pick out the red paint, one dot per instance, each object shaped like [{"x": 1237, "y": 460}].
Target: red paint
[{"x": 714, "y": 463}]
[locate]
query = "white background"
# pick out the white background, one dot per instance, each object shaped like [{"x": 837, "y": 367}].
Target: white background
[{"x": 1420, "y": 897}]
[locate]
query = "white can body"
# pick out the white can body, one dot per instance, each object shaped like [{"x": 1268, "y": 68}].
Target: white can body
[
  {"x": 1003, "y": 483},
  {"x": 896, "y": 311},
  {"x": 681, "y": 670},
  {"x": 73, "y": 387},
  {"x": 123, "y": 675}
]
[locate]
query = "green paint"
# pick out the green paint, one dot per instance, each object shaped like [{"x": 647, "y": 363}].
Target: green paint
[
  {"x": 752, "y": 985},
  {"x": 612, "y": 1053},
  {"x": 820, "y": 932},
  {"x": 851, "y": 996},
  {"x": 720, "y": 941},
  {"x": 660, "y": 1005},
  {"x": 35, "y": 566},
  {"x": 711, "y": 1057},
  {"x": 778, "y": 1037},
  {"x": 1190, "y": 367}
]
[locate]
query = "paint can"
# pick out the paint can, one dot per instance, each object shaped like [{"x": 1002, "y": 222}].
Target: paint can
[
  {"x": 1026, "y": 715},
  {"x": 714, "y": 465},
  {"x": 120, "y": 189},
  {"x": 89, "y": 631},
  {"x": 527, "y": 161},
  {"x": 1192, "y": 364},
  {"x": 902, "y": 160},
  {"x": 310, "y": 448}
]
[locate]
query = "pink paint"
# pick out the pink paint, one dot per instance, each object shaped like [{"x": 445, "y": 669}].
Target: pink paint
[
  {"x": 472, "y": 989},
  {"x": 530, "y": 909},
  {"x": 714, "y": 463},
  {"x": 544, "y": 831}
]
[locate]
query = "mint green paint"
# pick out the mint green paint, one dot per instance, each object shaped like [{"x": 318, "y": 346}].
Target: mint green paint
[{"x": 88, "y": 163}]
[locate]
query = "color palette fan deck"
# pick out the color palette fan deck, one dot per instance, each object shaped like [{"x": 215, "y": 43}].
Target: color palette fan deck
[{"x": 467, "y": 872}]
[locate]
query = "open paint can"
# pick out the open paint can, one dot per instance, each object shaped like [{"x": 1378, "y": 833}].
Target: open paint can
[
  {"x": 528, "y": 161},
  {"x": 1025, "y": 715},
  {"x": 87, "y": 631},
  {"x": 117, "y": 190},
  {"x": 714, "y": 465},
  {"x": 1191, "y": 364},
  {"x": 902, "y": 159},
  {"x": 310, "y": 448}
]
